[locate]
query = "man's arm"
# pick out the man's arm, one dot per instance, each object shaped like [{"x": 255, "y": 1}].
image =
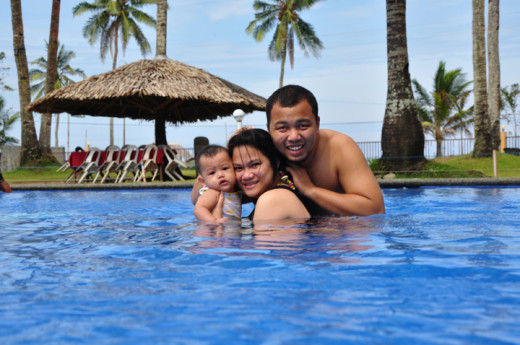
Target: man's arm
[{"x": 362, "y": 195}]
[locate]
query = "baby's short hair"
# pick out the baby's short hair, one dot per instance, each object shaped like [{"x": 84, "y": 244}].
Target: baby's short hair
[{"x": 208, "y": 151}]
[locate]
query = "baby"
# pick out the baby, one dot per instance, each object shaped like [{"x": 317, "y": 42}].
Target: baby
[{"x": 216, "y": 171}]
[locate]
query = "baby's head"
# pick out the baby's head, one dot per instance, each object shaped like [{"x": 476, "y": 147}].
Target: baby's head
[{"x": 216, "y": 168}]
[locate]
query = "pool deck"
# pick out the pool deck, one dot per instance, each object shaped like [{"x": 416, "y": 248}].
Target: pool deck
[{"x": 384, "y": 183}]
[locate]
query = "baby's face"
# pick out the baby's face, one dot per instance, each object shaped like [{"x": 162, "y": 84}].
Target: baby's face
[{"x": 218, "y": 172}]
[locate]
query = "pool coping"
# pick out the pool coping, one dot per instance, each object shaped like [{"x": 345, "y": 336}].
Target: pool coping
[{"x": 384, "y": 183}]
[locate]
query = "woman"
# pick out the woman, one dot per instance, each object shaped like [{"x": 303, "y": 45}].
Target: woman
[{"x": 257, "y": 168}]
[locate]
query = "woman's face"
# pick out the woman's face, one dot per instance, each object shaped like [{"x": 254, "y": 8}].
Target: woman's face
[{"x": 254, "y": 173}]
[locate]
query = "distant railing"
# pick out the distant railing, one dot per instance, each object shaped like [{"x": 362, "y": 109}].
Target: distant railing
[{"x": 450, "y": 147}]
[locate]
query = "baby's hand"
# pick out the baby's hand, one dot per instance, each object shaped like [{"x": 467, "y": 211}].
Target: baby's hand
[{"x": 217, "y": 211}]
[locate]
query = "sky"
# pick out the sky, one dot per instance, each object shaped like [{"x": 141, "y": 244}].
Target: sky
[{"x": 349, "y": 79}]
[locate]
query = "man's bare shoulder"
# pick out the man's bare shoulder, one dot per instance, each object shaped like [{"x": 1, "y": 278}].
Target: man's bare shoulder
[{"x": 336, "y": 140}]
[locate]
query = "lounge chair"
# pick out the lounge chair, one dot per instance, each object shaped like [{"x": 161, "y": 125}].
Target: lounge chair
[
  {"x": 91, "y": 163},
  {"x": 172, "y": 164},
  {"x": 130, "y": 163},
  {"x": 149, "y": 162},
  {"x": 111, "y": 163},
  {"x": 67, "y": 165}
]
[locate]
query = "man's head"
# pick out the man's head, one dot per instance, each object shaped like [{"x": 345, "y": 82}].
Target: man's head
[
  {"x": 293, "y": 122},
  {"x": 288, "y": 96}
]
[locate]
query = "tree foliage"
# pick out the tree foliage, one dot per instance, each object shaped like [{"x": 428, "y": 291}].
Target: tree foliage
[
  {"x": 443, "y": 112},
  {"x": 114, "y": 20},
  {"x": 284, "y": 17},
  {"x": 509, "y": 104},
  {"x": 64, "y": 71},
  {"x": 6, "y": 121}
]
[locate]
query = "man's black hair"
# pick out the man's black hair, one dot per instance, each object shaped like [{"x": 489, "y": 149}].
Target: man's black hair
[{"x": 289, "y": 96}]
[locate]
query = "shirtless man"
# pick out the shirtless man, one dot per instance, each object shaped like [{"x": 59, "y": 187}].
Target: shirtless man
[{"x": 327, "y": 167}]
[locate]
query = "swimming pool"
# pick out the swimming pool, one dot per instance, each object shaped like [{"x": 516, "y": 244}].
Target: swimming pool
[{"x": 134, "y": 267}]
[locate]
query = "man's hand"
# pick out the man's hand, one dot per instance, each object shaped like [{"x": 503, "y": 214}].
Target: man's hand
[{"x": 301, "y": 178}]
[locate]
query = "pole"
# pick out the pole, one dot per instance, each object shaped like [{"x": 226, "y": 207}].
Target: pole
[{"x": 495, "y": 163}]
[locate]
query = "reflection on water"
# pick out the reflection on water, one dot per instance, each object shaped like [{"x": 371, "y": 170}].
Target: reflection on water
[{"x": 332, "y": 238}]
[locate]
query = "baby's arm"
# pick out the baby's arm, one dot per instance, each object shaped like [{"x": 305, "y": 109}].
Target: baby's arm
[{"x": 206, "y": 206}]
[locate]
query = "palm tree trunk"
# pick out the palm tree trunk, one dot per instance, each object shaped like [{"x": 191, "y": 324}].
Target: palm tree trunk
[
  {"x": 160, "y": 45},
  {"x": 56, "y": 130},
  {"x": 482, "y": 134},
  {"x": 160, "y": 52},
  {"x": 114, "y": 64},
  {"x": 402, "y": 137},
  {"x": 282, "y": 71},
  {"x": 438, "y": 142},
  {"x": 494, "y": 72},
  {"x": 30, "y": 147},
  {"x": 50, "y": 78}
]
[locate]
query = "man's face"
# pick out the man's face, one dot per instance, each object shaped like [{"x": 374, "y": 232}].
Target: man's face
[{"x": 294, "y": 130}]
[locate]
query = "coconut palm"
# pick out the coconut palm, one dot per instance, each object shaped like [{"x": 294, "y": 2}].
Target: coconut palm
[
  {"x": 3, "y": 86},
  {"x": 112, "y": 21},
  {"x": 285, "y": 15},
  {"x": 442, "y": 112},
  {"x": 493, "y": 72},
  {"x": 509, "y": 100},
  {"x": 6, "y": 122},
  {"x": 402, "y": 138},
  {"x": 483, "y": 144},
  {"x": 64, "y": 71},
  {"x": 52, "y": 55},
  {"x": 30, "y": 148}
]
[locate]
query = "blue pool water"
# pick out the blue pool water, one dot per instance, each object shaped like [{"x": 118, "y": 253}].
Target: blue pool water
[{"x": 134, "y": 267}]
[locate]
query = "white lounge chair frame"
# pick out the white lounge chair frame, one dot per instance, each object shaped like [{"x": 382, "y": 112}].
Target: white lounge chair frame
[
  {"x": 149, "y": 162},
  {"x": 111, "y": 163},
  {"x": 172, "y": 163},
  {"x": 91, "y": 163}
]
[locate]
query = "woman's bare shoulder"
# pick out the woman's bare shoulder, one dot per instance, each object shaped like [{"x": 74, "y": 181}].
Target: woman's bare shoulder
[{"x": 279, "y": 203}]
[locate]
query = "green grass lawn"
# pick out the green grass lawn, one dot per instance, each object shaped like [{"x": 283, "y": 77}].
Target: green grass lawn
[
  {"x": 444, "y": 167},
  {"x": 464, "y": 166}
]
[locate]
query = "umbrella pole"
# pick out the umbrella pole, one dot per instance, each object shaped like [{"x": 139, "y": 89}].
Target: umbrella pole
[
  {"x": 160, "y": 139},
  {"x": 160, "y": 132}
]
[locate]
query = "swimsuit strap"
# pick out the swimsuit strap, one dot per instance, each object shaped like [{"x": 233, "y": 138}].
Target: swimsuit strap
[{"x": 286, "y": 181}]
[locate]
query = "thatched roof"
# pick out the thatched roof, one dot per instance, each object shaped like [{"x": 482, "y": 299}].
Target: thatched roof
[{"x": 151, "y": 89}]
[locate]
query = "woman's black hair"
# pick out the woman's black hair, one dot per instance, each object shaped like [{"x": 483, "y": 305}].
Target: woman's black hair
[{"x": 260, "y": 140}]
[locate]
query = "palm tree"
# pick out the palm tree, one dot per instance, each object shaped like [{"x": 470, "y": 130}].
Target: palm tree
[
  {"x": 52, "y": 52},
  {"x": 3, "y": 86},
  {"x": 63, "y": 73},
  {"x": 509, "y": 100},
  {"x": 482, "y": 129},
  {"x": 113, "y": 20},
  {"x": 30, "y": 148},
  {"x": 6, "y": 121},
  {"x": 402, "y": 139},
  {"x": 442, "y": 112},
  {"x": 285, "y": 14},
  {"x": 494, "y": 72}
]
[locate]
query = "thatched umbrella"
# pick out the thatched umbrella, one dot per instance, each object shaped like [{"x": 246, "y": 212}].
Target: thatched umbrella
[{"x": 160, "y": 89}]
